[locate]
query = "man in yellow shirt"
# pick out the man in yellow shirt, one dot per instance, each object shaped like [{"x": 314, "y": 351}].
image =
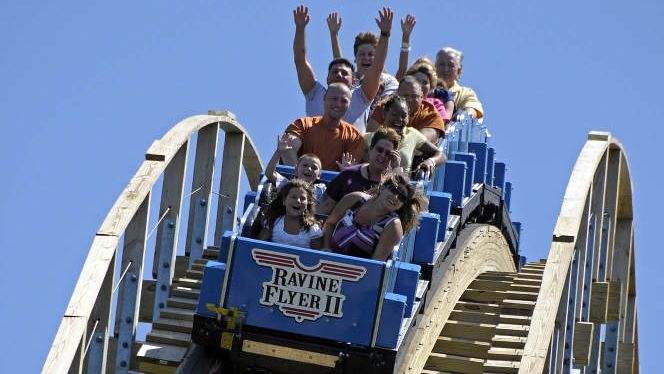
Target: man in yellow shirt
[{"x": 449, "y": 63}]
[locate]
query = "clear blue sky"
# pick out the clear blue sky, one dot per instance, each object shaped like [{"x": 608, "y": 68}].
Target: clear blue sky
[{"x": 87, "y": 86}]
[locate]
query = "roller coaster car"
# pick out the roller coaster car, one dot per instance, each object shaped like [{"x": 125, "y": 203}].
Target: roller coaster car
[
  {"x": 272, "y": 308},
  {"x": 289, "y": 309}
]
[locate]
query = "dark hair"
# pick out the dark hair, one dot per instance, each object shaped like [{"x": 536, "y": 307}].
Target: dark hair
[
  {"x": 365, "y": 38},
  {"x": 276, "y": 208},
  {"x": 343, "y": 61},
  {"x": 409, "y": 79},
  {"x": 409, "y": 213},
  {"x": 386, "y": 133},
  {"x": 393, "y": 100}
]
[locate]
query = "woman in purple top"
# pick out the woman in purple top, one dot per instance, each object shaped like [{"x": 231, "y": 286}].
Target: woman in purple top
[{"x": 370, "y": 224}]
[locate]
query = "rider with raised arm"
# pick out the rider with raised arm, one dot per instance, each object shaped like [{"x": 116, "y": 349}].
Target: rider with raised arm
[
  {"x": 364, "y": 50},
  {"x": 340, "y": 71}
]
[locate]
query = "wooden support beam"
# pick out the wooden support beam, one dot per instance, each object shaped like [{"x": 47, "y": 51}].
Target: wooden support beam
[
  {"x": 626, "y": 354},
  {"x": 599, "y": 297},
  {"x": 613, "y": 306},
  {"x": 171, "y": 202},
  {"x": 583, "y": 333},
  {"x": 231, "y": 170},
  {"x": 206, "y": 150}
]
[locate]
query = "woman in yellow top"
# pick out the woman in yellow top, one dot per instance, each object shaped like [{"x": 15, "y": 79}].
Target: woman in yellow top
[{"x": 396, "y": 117}]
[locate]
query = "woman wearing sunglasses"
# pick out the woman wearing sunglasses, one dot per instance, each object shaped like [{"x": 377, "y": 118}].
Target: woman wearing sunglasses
[
  {"x": 370, "y": 224},
  {"x": 382, "y": 155}
]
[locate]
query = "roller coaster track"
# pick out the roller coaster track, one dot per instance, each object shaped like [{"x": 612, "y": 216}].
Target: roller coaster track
[{"x": 574, "y": 310}]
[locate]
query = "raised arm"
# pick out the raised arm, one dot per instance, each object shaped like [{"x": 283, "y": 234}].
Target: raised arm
[
  {"x": 289, "y": 156},
  {"x": 334, "y": 24},
  {"x": 305, "y": 73},
  {"x": 284, "y": 144},
  {"x": 371, "y": 79},
  {"x": 406, "y": 29}
]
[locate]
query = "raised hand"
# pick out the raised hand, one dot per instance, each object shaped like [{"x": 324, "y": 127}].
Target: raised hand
[
  {"x": 408, "y": 24},
  {"x": 395, "y": 158},
  {"x": 385, "y": 23},
  {"x": 334, "y": 23},
  {"x": 301, "y": 16},
  {"x": 347, "y": 160},
  {"x": 284, "y": 143}
]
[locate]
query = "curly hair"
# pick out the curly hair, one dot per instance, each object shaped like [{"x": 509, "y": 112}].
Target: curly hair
[
  {"x": 365, "y": 38},
  {"x": 276, "y": 208},
  {"x": 416, "y": 203}
]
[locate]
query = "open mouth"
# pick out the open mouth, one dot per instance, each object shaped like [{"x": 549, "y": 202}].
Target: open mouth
[{"x": 296, "y": 207}]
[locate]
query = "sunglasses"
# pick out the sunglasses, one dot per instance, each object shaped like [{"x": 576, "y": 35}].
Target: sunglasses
[{"x": 393, "y": 188}]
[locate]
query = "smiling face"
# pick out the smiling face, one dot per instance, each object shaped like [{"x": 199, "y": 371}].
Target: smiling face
[
  {"x": 379, "y": 155},
  {"x": 397, "y": 116},
  {"x": 364, "y": 58},
  {"x": 336, "y": 101},
  {"x": 392, "y": 195},
  {"x": 308, "y": 169},
  {"x": 295, "y": 202}
]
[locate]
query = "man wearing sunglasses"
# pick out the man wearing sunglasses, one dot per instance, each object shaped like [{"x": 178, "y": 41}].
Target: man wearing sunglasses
[{"x": 383, "y": 155}]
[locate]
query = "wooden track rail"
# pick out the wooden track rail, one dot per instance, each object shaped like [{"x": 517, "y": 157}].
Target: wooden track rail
[
  {"x": 82, "y": 341},
  {"x": 576, "y": 310},
  {"x": 589, "y": 278}
]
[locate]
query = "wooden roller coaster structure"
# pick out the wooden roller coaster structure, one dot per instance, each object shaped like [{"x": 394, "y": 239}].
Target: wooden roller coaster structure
[{"x": 573, "y": 312}]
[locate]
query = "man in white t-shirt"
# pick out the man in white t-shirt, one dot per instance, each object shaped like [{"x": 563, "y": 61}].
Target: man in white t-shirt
[{"x": 340, "y": 71}]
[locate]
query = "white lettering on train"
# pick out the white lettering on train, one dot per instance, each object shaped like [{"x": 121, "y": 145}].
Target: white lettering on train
[{"x": 305, "y": 292}]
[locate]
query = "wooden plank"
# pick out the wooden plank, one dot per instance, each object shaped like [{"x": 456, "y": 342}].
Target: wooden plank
[
  {"x": 508, "y": 341},
  {"x": 476, "y": 317},
  {"x": 177, "y": 313},
  {"x": 491, "y": 297},
  {"x": 461, "y": 347},
  {"x": 171, "y": 203},
  {"x": 500, "y": 366},
  {"x": 488, "y": 251},
  {"x": 182, "y": 302},
  {"x": 477, "y": 307},
  {"x": 169, "y": 337},
  {"x": 599, "y": 296},
  {"x": 206, "y": 150},
  {"x": 504, "y": 354},
  {"x": 613, "y": 304},
  {"x": 469, "y": 330},
  {"x": 173, "y": 325},
  {"x": 626, "y": 354},
  {"x": 169, "y": 354},
  {"x": 490, "y": 285},
  {"x": 230, "y": 183},
  {"x": 457, "y": 364},
  {"x": 583, "y": 333}
]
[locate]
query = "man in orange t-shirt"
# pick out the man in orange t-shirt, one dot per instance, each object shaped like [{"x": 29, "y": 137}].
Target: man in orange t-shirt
[
  {"x": 423, "y": 115},
  {"x": 328, "y": 137}
]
